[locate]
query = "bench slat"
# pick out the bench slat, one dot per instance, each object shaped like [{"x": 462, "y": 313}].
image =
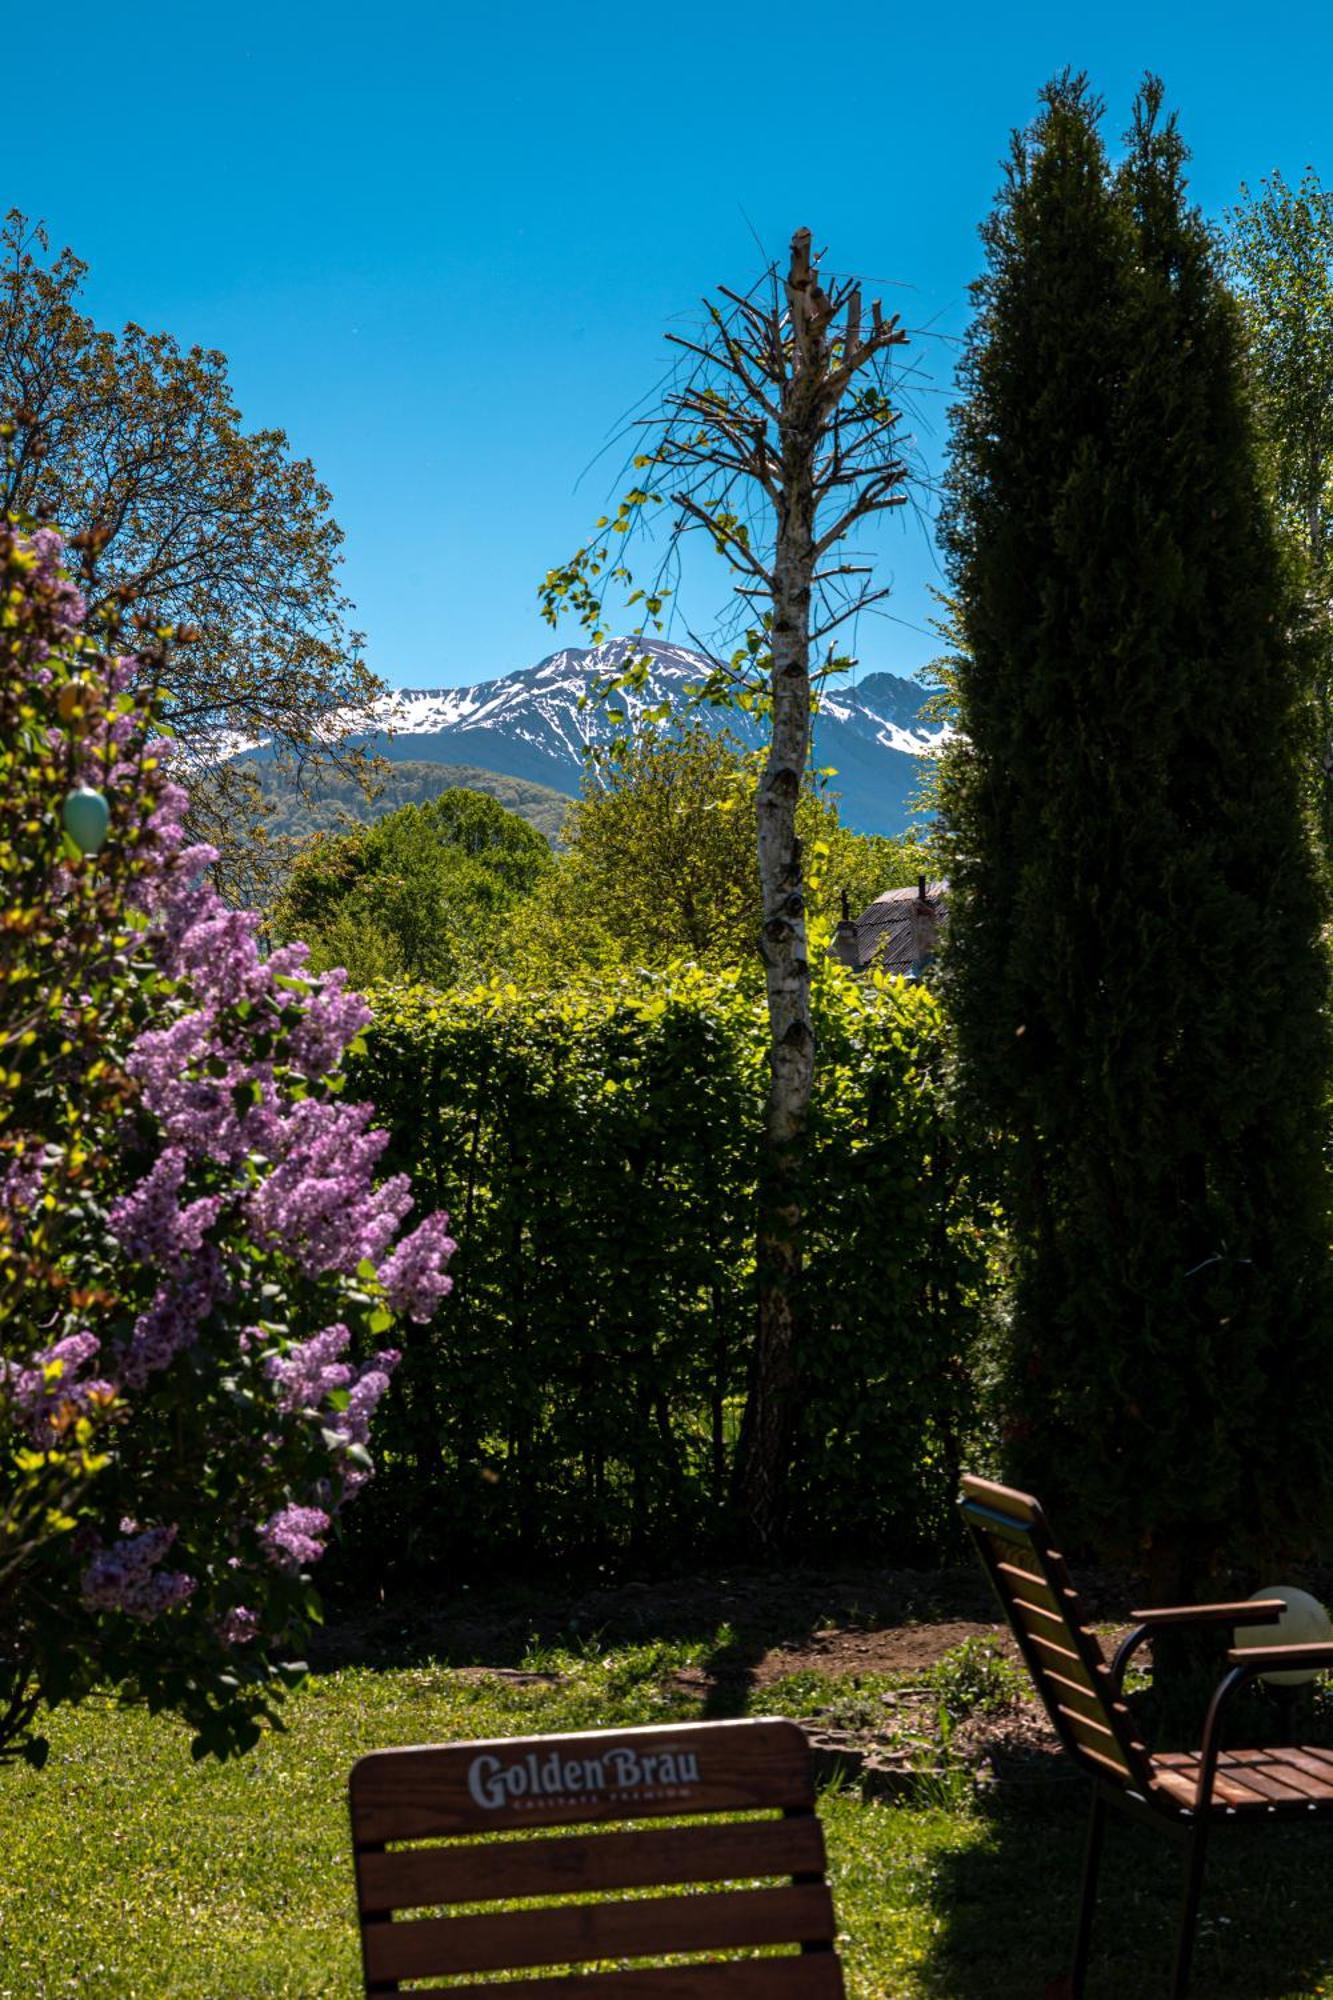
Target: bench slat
[
  {"x": 654, "y": 1857},
  {"x": 655, "y": 1926},
  {"x": 815, "y": 1976}
]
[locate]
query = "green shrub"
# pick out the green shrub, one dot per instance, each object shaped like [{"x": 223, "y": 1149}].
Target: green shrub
[
  {"x": 976, "y": 1678},
  {"x": 598, "y": 1150}
]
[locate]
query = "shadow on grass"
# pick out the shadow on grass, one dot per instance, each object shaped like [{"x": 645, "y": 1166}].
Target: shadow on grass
[
  {"x": 1006, "y": 1903},
  {"x": 730, "y": 1667},
  {"x": 735, "y": 1618}
]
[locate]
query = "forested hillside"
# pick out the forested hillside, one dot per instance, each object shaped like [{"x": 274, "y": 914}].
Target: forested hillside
[{"x": 333, "y": 797}]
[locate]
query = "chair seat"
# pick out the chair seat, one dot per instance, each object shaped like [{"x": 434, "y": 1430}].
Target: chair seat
[{"x": 1290, "y": 1778}]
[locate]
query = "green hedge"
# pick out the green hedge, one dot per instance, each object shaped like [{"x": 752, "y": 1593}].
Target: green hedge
[{"x": 580, "y": 1393}]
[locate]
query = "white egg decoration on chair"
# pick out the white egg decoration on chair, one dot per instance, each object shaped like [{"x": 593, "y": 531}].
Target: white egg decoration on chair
[{"x": 1305, "y": 1622}]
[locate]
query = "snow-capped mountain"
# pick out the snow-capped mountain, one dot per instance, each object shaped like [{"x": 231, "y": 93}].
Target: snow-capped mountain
[{"x": 530, "y": 725}]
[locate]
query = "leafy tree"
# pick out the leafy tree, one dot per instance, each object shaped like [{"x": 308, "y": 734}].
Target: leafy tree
[
  {"x": 1280, "y": 257},
  {"x": 195, "y": 1259},
  {"x": 660, "y": 862},
  {"x": 664, "y": 848},
  {"x": 1133, "y": 944},
  {"x": 420, "y": 894},
  {"x": 138, "y": 450}
]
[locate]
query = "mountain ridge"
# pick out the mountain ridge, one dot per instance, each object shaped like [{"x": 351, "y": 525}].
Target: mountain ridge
[{"x": 533, "y": 724}]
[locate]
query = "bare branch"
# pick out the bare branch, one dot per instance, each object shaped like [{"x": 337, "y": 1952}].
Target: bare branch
[
  {"x": 737, "y": 359},
  {"x": 727, "y": 361},
  {"x": 860, "y": 603},
  {"x": 767, "y": 325},
  {"x": 878, "y": 495},
  {"x": 729, "y": 540}
]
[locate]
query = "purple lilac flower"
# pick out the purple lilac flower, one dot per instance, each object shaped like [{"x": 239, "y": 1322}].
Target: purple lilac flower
[
  {"x": 49, "y": 547},
  {"x": 161, "y": 1058},
  {"x": 48, "y": 1388},
  {"x": 69, "y": 1354},
  {"x": 172, "y": 1321},
  {"x": 149, "y": 1223},
  {"x": 413, "y": 1275},
  {"x": 287, "y": 961},
  {"x": 219, "y": 947},
  {"x": 125, "y": 1577},
  {"x": 332, "y": 1017},
  {"x": 175, "y": 892},
  {"x": 308, "y": 1371},
  {"x": 239, "y": 1626},
  {"x": 352, "y": 1425},
  {"x": 20, "y": 1185},
  {"x": 293, "y": 1536},
  {"x": 366, "y": 1392},
  {"x": 105, "y": 754},
  {"x": 202, "y": 1113},
  {"x": 320, "y": 1204}
]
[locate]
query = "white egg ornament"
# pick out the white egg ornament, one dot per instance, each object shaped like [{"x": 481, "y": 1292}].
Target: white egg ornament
[
  {"x": 1304, "y": 1623},
  {"x": 85, "y": 817}
]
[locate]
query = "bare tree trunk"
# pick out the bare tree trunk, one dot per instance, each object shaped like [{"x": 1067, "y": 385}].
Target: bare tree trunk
[
  {"x": 788, "y": 404},
  {"x": 767, "y": 1431}
]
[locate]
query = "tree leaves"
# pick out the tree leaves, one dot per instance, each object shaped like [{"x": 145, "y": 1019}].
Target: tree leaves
[
  {"x": 419, "y": 894},
  {"x": 136, "y": 449}
]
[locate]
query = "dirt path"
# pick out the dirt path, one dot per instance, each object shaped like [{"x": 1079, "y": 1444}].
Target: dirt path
[{"x": 765, "y": 1624}]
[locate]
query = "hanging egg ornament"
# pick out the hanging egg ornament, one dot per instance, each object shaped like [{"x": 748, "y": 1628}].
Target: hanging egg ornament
[{"x": 86, "y": 816}]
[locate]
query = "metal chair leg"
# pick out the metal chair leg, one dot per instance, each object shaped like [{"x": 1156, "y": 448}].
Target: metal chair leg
[
  {"x": 1189, "y": 1914},
  {"x": 1087, "y": 1902}
]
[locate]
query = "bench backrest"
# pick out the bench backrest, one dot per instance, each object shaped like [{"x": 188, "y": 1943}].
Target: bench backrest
[
  {"x": 467, "y": 1828},
  {"x": 1062, "y": 1651}
]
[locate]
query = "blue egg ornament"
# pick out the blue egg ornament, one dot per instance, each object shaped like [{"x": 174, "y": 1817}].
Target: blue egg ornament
[{"x": 86, "y": 817}]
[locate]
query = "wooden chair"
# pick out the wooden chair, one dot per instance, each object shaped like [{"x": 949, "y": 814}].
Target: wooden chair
[
  {"x": 452, "y": 1828},
  {"x": 1182, "y": 1793}
]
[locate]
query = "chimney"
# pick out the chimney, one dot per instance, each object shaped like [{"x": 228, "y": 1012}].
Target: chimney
[
  {"x": 924, "y": 920},
  {"x": 846, "y": 946}
]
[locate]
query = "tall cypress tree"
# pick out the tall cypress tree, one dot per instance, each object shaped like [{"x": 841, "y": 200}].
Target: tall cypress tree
[{"x": 1135, "y": 949}]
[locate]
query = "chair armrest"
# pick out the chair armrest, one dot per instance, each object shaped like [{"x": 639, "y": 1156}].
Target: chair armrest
[
  {"x": 1125, "y": 1651},
  {"x": 1250, "y": 1611},
  {"x": 1265, "y": 1659},
  {"x": 1167, "y": 1617}
]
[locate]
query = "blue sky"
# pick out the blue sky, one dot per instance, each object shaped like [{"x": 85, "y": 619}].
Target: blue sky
[{"x": 439, "y": 245}]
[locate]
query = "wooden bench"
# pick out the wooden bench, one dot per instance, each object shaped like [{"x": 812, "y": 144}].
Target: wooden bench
[{"x": 470, "y": 1829}]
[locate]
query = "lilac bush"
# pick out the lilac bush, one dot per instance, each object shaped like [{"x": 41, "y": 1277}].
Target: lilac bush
[{"x": 203, "y": 1338}]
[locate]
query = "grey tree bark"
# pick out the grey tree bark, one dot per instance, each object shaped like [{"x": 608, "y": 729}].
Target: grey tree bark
[{"x": 767, "y": 1432}]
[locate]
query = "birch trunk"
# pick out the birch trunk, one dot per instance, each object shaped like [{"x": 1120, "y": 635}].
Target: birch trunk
[{"x": 767, "y": 1430}]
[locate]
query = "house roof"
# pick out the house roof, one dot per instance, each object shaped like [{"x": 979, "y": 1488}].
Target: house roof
[{"x": 887, "y": 933}]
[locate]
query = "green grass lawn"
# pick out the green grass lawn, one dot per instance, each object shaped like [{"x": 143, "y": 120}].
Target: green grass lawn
[{"x": 128, "y": 1871}]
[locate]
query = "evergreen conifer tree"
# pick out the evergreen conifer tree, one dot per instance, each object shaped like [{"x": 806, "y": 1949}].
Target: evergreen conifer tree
[{"x": 1135, "y": 943}]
